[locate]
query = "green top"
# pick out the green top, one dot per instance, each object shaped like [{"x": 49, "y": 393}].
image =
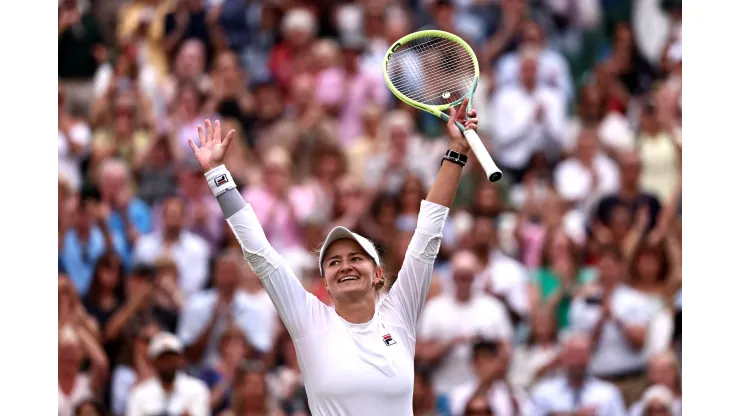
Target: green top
[{"x": 549, "y": 283}]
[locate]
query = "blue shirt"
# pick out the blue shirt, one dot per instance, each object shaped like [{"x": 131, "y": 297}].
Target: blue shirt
[
  {"x": 78, "y": 259},
  {"x": 139, "y": 215}
]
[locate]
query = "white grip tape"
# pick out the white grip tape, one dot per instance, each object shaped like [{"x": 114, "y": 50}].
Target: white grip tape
[
  {"x": 481, "y": 153},
  {"x": 220, "y": 180}
]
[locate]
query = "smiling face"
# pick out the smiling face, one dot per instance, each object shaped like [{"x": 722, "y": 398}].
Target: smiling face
[{"x": 349, "y": 272}]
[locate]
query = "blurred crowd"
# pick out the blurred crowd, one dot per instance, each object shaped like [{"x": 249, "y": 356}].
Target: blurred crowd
[{"x": 556, "y": 290}]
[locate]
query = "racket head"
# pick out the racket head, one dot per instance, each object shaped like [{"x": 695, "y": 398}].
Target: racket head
[{"x": 431, "y": 70}]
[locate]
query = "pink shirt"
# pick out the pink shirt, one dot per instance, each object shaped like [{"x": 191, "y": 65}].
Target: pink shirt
[
  {"x": 281, "y": 229},
  {"x": 533, "y": 240},
  {"x": 335, "y": 87}
]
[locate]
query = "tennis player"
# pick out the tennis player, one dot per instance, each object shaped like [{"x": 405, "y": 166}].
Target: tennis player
[{"x": 358, "y": 357}]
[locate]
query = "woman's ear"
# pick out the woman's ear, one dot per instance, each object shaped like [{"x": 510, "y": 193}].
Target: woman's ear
[{"x": 378, "y": 275}]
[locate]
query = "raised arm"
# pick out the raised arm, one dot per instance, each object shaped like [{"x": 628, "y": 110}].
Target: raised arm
[
  {"x": 297, "y": 308},
  {"x": 406, "y": 297}
]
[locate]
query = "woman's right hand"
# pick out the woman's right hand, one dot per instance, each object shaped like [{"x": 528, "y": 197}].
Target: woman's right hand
[{"x": 212, "y": 149}]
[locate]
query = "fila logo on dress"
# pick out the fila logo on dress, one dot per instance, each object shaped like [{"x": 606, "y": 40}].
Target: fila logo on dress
[{"x": 388, "y": 340}]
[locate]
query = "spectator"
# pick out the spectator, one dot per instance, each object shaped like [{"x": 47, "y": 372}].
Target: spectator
[
  {"x": 156, "y": 176},
  {"x": 286, "y": 382},
  {"x": 575, "y": 390},
  {"x": 657, "y": 400},
  {"x": 75, "y": 386},
  {"x": 142, "y": 22},
  {"x": 86, "y": 239},
  {"x": 81, "y": 50},
  {"x": 423, "y": 400},
  {"x": 134, "y": 366},
  {"x": 189, "y": 251},
  {"x": 630, "y": 194},
  {"x": 664, "y": 370},
  {"x": 229, "y": 94},
  {"x": 616, "y": 318},
  {"x": 344, "y": 90},
  {"x": 538, "y": 357},
  {"x": 552, "y": 68},
  {"x": 73, "y": 143},
  {"x": 582, "y": 179},
  {"x": 250, "y": 393},
  {"x": 191, "y": 20},
  {"x": 128, "y": 217},
  {"x": 290, "y": 57},
  {"x": 278, "y": 204},
  {"x": 658, "y": 152},
  {"x": 171, "y": 391},
  {"x": 189, "y": 65},
  {"x": 490, "y": 363},
  {"x": 233, "y": 348},
  {"x": 450, "y": 322},
  {"x": 369, "y": 143},
  {"x": 527, "y": 118},
  {"x": 560, "y": 278},
  {"x": 208, "y": 313},
  {"x": 500, "y": 276},
  {"x": 90, "y": 408}
]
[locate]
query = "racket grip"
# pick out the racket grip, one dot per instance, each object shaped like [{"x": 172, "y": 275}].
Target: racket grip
[{"x": 493, "y": 173}]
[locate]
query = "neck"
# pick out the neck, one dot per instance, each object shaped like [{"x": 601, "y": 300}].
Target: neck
[
  {"x": 629, "y": 190},
  {"x": 463, "y": 296},
  {"x": 227, "y": 295},
  {"x": 482, "y": 253},
  {"x": 357, "y": 312},
  {"x": 171, "y": 235},
  {"x": 168, "y": 386},
  {"x": 576, "y": 380}
]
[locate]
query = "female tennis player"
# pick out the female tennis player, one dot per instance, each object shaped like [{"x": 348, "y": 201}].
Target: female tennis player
[{"x": 358, "y": 357}]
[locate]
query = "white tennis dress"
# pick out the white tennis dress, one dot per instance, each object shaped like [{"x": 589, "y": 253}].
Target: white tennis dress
[{"x": 351, "y": 369}]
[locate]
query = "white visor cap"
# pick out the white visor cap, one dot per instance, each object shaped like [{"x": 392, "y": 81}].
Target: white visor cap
[{"x": 339, "y": 233}]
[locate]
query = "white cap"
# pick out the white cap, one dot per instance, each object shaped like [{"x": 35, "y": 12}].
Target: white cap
[
  {"x": 339, "y": 233},
  {"x": 164, "y": 342}
]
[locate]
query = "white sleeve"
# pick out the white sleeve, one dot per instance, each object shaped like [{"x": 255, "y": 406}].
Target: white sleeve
[
  {"x": 122, "y": 380},
  {"x": 556, "y": 118},
  {"x": 201, "y": 404},
  {"x": 298, "y": 309},
  {"x": 615, "y": 405},
  {"x": 132, "y": 407},
  {"x": 406, "y": 298},
  {"x": 540, "y": 402},
  {"x": 193, "y": 321}
]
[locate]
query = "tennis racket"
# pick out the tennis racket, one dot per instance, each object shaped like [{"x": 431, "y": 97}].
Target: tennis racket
[{"x": 434, "y": 70}]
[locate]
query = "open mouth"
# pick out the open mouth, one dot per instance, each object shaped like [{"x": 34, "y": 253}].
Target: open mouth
[{"x": 348, "y": 279}]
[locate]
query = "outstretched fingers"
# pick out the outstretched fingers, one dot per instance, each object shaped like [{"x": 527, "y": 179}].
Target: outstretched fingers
[
  {"x": 209, "y": 131},
  {"x": 227, "y": 140},
  {"x": 217, "y": 131},
  {"x": 460, "y": 113},
  {"x": 201, "y": 136},
  {"x": 192, "y": 145}
]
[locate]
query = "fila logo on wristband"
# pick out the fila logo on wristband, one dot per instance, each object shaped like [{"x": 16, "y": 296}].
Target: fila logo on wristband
[{"x": 221, "y": 180}]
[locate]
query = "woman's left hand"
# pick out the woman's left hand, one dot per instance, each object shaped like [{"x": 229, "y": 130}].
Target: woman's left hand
[{"x": 457, "y": 139}]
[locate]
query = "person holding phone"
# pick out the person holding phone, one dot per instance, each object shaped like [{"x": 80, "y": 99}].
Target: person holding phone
[{"x": 358, "y": 357}]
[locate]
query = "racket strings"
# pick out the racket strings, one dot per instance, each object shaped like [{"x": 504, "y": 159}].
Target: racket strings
[{"x": 433, "y": 71}]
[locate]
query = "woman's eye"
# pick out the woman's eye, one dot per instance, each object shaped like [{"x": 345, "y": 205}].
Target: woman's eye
[
  {"x": 356, "y": 258},
  {"x": 333, "y": 263}
]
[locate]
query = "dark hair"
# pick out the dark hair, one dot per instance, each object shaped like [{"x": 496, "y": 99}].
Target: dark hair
[
  {"x": 189, "y": 84},
  {"x": 574, "y": 252},
  {"x": 107, "y": 260},
  {"x": 612, "y": 251},
  {"x": 485, "y": 345},
  {"x": 382, "y": 200},
  {"x": 144, "y": 271},
  {"x": 645, "y": 249},
  {"x": 95, "y": 404}
]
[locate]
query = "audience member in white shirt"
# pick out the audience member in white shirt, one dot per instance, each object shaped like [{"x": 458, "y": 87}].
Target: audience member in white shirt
[
  {"x": 451, "y": 321},
  {"x": 588, "y": 175},
  {"x": 172, "y": 391},
  {"x": 501, "y": 276},
  {"x": 617, "y": 317},
  {"x": 490, "y": 361},
  {"x": 575, "y": 392},
  {"x": 553, "y": 69},
  {"x": 75, "y": 386},
  {"x": 208, "y": 313},
  {"x": 536, "y": 358},
  {"x": 528, "y": 118},
  {"x": 663, "y": 369},
  {"x": 189, "y": 251},
  {"x": 657, "y": 401}
]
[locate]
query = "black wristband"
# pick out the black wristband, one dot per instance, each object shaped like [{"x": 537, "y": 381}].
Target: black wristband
[{"x": 455, "y": 157}]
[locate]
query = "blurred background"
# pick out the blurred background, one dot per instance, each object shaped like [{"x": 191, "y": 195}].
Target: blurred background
[{"x": 579, "y": 102}]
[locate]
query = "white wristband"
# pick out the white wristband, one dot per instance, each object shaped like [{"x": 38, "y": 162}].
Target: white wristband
[{"x": 220, "y": 180}]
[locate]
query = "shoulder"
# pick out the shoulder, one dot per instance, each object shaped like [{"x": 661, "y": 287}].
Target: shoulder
[
  {"x": 195, "y": 385},
  {"x": 201, "y": 300},
  {"x": 512, "y": 268},
  {"x": 143, "y": 389},
  {"x": 440, "y": 302},
  {"x": 194, "y": 241},
  {"x": 547, "y": 387},
  {"x": 605, "y": 388}
]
